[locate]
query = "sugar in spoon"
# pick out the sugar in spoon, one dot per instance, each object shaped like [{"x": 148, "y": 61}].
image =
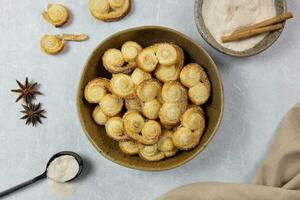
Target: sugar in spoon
[{"x": 52, "y": 164}]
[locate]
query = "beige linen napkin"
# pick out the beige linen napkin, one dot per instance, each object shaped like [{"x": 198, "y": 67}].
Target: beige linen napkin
[{"x": 278, "y": 177}]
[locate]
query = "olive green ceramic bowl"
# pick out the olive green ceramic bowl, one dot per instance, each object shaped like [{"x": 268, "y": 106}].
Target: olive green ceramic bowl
[
  {"x": 260, "y": 47},
  {"x": 147, "y": 36}
]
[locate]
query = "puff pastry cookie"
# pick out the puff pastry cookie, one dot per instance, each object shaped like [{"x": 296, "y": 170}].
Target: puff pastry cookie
[
  {"x": 99, "y": 116},
  {"x": 114, "y": 62},
  {"x": 145, "y": 132},
  {"x": 133, "y": 123},
  {"x": 173, "y": 91},
  {"x": 148, "y": 90},
  {"x": 147, "y": 59},
  {"x": 115, "y": 129},
  {"x": 150, "y": 132},
  {"x": 139, "y": 76},
  {"x": 51, "y": 44},
  {"x": 170, "y": 113},
  {"x": 171, "y": 72},
  {"x": 130, "y": 51},
  {"x": 96, "y": 89},
  {"x": 195, "y": 78},
  {"x": 122, "y": 86},
  {"x": 166, "y": 145},
  {"x": 109, "y": 10},
  {"x": 129, "y": 147},
  {"x": 199, "y": 94},
  {"x": 133, "y": 104},
  {"x": 150, "y": 153},
  {"x": 188, "y": 135},
  {"x": 175, "y": 101},
  {"x": 185, "y": 139},
  {"x": 191, "y": 74},
  {"x": 150, "y": 109},
  {"x": 56, "y": 14},
  {"x": 194, "y": 119},
  {"x": 111, "y": 105},
  {"x": 166, "y": 54}
]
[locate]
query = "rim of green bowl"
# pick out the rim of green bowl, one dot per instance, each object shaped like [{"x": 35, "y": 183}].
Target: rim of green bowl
[
  {"x": 213, "y": 43},
  {"x": 124, "y": 164}
]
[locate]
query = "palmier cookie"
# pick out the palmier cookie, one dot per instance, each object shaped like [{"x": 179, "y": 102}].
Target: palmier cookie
[
  {"x": 109, "y": 10},
  {"x": 170, "y": 113},
  {"x": 150, "y": 132},
  {"x": 56, "y": 14},
  {"x": 129, "y": 147},
  {"x": 171, "y": 72},
  {"x": 133, "y": 104},
  {"x": 173, "y": 91},
  {"x": 147, "y": 59},
  {"x": 145, "y": 132},
  {"x": 185, "y": 138},
  {"x": 122, "y": 86},
  {"x": 194, "y": 119},
  {"x": 174, "y": 94},
  {"x": 99, "y": 116},
  {"x": 150, "y": 152},
  {"x": 195, "y": 78},
  {"x": 111, "y": 105},
  {"x": 52, "y": 44},
  {"x": 166, "y": 54},
  {"x": 150, "y": 109},
  {"x": 130, "y": 51},
  {"x": 138, "y": 76},
  {"x": 148, "y": 90},
  {"x": 115, "y": 129},
  {"x": 133, "y": 123},
  {"x": 199, "y": 94},
  {"x": 96, "y": 89},
  {"x": 166, "y": 145},
  {"x": 114, "y": 62}
]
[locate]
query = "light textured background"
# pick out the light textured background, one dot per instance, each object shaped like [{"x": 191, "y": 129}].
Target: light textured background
[{"x": 258, "y": 92}]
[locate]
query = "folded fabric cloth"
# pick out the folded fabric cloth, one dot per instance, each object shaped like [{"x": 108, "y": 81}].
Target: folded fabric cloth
[{"x": 278, "y": 177}]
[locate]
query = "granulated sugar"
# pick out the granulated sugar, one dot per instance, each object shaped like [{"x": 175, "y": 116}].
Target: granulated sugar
[
  {"x": 222, "y": 17},
  {"x": 63, "y": 168}
]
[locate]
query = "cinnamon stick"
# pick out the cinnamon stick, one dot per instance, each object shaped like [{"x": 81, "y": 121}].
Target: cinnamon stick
[
  {"x": 275, "y": 20},
  {"x": 250, "y": 33}
]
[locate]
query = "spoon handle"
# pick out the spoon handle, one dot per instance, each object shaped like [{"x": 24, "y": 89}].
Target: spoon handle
[{"x": 22, "y": 185}]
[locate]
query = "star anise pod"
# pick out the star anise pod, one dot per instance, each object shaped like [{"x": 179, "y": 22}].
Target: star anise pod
[
  {"x": 27, "y": 91},
  {"x": 33, "y": 113}
]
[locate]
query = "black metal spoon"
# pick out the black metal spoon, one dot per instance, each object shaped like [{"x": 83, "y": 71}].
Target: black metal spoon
[{"x": 44, "y": 175}]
